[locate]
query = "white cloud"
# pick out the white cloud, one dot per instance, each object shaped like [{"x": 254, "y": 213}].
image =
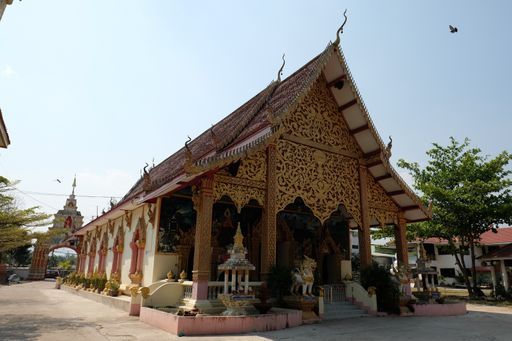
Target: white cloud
[{"x": 8, "y": 71}]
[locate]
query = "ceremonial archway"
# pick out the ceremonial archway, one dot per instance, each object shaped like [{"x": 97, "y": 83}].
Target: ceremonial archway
[{"x": 40, "y": 255}]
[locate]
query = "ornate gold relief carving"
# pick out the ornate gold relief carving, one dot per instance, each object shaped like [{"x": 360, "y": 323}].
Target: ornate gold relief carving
[
  {"x": 120, "y": 239},
  {"x": 141, "y": 227},
  {"x": 322, "y": 179},
  {"x": 110, "y": 227},
  {"x": 241, "y": 195},
  {"x": 151, "y": 214},
  {"x": 128, "y": 219},
  {"x": 377, "y": 196},
  {"x": 383, "y": 216},
  {"x": 317, "y": 118},
  {"x": 380, "y": 205},
  {"x": 253, "y": 167}
]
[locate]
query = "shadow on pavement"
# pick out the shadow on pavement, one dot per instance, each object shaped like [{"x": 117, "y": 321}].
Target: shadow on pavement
[{"x": 30, "y": 327}]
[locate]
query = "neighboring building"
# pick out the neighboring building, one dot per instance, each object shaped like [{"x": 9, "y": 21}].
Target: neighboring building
[
  {"x": 491, "y": 258},
  {"x": 297, "y": 166}
]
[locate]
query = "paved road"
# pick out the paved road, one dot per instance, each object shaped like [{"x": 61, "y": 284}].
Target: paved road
[{"x": 36, "y": 311}]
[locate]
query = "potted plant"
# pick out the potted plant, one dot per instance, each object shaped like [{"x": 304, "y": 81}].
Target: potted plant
[
  {"x": 112, "y": 287},
  {"x": 101, "y": 283}
]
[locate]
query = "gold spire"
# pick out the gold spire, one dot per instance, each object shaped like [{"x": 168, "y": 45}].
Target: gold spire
[
  {"x": 239, "y": 238},
  {"x": 74, "y": 185}
]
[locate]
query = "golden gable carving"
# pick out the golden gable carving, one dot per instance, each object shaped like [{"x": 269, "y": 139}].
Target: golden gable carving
[
  {"x": 323, "y": 180},
  {"x": 381, "y": 207},
  {"x": 317, "y": 118},
  {"x": 253, "y": 167}
]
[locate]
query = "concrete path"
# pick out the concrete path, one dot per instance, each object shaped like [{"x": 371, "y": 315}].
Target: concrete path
[{"x": 36, "y": 311}]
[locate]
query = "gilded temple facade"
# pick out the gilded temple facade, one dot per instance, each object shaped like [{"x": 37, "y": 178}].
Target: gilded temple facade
[{"x": 297, "y": 166}]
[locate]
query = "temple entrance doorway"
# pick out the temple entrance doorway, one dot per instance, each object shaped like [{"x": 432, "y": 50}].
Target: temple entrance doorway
[
  {"x": 300, "y": 233},
  {"x": 224, "y": 224}
]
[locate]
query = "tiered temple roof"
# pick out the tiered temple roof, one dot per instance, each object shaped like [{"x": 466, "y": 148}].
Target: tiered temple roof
[{"x": 253, "y": 125}]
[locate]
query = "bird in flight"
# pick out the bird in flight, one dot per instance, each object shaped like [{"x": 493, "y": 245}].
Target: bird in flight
[
  {"x": 58, "y": 181},
  {"x": 453, "y": 29}
]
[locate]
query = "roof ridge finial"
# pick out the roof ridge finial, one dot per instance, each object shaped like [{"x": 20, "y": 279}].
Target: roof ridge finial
[
  {"x": 280, "y": 72},
  {"x": 73, "y": 185},
  {"x": 215, "y": 138},
  {"x": 340, "y": 30}
]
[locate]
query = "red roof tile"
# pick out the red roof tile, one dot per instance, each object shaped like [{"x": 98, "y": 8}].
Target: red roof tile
[
  {"x": 244, "y": 121},
  {"x": 503, "y": 235}
]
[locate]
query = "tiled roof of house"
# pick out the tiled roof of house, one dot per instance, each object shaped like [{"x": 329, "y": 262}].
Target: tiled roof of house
[{"x": 503, "y": 235}]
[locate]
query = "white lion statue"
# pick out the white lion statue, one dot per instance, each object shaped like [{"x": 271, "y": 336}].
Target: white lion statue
[{"x": 303, "y": 277}]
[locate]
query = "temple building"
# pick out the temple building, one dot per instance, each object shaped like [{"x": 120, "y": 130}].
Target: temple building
[
  {"x": 297, "y": 166},
  {"x": 66, "y": 222}
]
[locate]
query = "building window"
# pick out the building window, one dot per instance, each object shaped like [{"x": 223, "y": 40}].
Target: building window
[
  {"x": 355, "y": 247},
  {"x": 448, "y": 272}
]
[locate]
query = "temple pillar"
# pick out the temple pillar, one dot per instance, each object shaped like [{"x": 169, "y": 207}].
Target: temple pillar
[
  {"x": 39, "y": 262},
  {"x": 493, "y": 278},
  {"x": 365, "y": 250},
  {"x": 402, "y": 254},
  {"x": 504, "y": 275},
  {"x": 203, "y": 203},
  {"x": 268, "y": 233}
]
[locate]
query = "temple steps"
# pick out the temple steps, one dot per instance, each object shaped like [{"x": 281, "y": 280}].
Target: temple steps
[{"x": 342, "y": 311}]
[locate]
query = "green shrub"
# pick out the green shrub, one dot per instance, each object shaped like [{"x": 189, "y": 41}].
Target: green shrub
[{"x": 388, "y": 293}]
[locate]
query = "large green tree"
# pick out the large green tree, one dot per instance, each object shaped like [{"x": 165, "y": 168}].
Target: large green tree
[
  {"x": 16, "y": 223},
  {"x": 470, "y": 194}
]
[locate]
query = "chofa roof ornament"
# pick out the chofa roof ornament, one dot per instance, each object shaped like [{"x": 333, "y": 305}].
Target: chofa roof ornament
[
  {"x": 340, "y": 30},
  {"x": 280, "y": 72},
  {"x": 189, "y": 161}
]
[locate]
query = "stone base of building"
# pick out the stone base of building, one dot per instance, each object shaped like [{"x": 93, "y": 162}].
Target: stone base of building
[
  {"x": 276, "y": 319},
  {"x": 121, "y": 302},
  {"x": 306, "y": 304},
  {"x": 210, "y": 307}
]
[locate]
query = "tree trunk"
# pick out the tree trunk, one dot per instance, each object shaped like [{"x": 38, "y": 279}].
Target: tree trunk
[
  {"x": 473, "y": 265},
  {"x": 462, "y": 266}
]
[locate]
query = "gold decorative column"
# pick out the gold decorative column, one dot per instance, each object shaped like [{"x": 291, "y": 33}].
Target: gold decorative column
[
  {"x": 401, "y": 240},
  {"x": 365, "y": 250},
  {"x": 203, "y": 203},
  {"x": 268, "y": 233}
]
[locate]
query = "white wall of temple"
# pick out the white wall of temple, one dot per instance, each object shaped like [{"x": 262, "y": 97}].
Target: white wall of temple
[
  {"x": 163, "y": 263},
  {"x": 110, "y": 248},
  {"x": 127, "y": 252},
  {"x": 97, "y": 256},
  {"x": 149, "y": 253}
]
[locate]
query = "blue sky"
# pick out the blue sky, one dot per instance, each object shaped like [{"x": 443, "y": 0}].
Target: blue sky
[{"x": 98, "y": 88}]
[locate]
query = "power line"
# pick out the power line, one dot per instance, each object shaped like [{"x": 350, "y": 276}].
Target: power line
[{"x": 39, "y": 201}]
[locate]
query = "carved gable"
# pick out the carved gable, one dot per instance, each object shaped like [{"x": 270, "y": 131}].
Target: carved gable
[
  {"x": 249, "y": 183},
  {"x": 323, "y": 180},
  {"x": 253, "y": 167},
  {"x": 380, "y": 205},
  {"x": 318, "y": 119}
]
